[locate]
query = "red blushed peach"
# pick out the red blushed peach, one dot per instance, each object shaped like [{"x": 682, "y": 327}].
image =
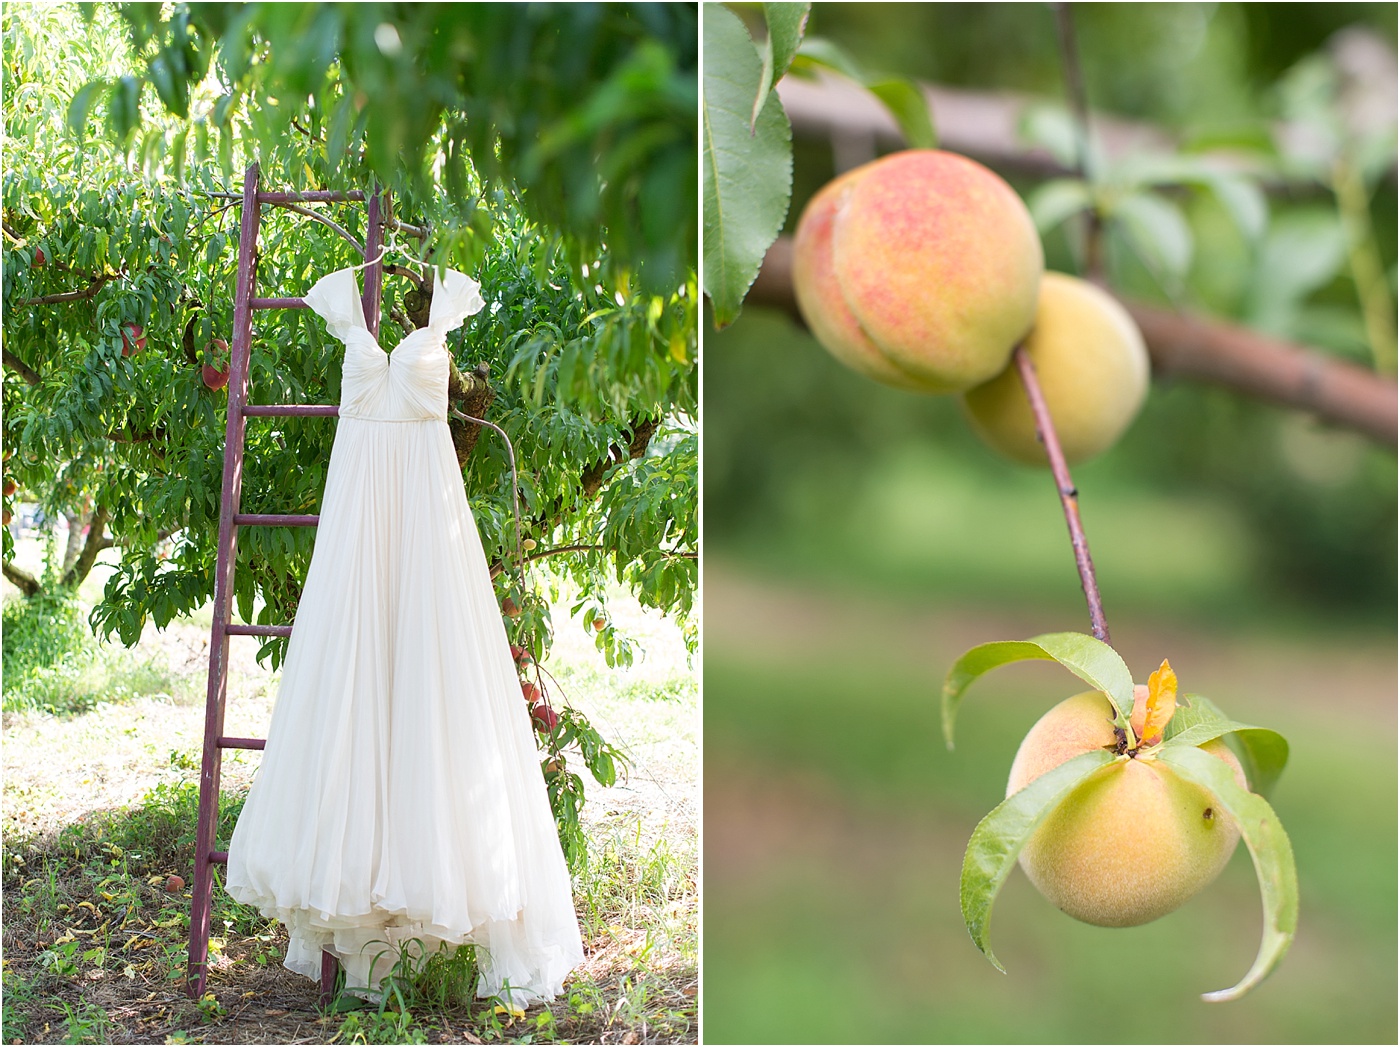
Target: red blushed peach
[
  {"x": 920, "y": 269},
  {"x": 1131, "y": 842}
]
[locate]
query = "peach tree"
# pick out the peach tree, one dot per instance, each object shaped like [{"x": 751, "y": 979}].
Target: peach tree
[
  {"x": 924, "y": 271},
  {"x": 121, "y": 241}
]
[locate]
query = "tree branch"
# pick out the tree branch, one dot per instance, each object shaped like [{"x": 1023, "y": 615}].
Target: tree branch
[
  {"x": 96, "y": 542},
  {"x": 14, "y": 363},
  {"x": 1215, "y": 352},
  {"x": 22, "y": 579},
  {"x": 90, "y": 291},
  {"x": 986, "y": 125}
]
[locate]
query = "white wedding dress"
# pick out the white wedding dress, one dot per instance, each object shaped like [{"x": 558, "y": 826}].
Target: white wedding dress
[{"x": 400, "y": 795}]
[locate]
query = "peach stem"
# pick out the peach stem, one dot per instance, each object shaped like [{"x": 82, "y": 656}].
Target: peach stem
[{"x": 1069, "y": 494}]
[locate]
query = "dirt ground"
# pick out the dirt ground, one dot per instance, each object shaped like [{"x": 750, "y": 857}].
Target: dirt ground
[{"x": 641, "y": 947}]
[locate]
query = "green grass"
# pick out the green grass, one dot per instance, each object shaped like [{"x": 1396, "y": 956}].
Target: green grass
[{"x": 54, "y": 665}]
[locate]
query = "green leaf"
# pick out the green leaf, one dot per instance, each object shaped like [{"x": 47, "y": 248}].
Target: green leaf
[
  {"x": 1158, "y": 232},
  {"x": 1245, "y": 203},
  {"x": 1268, "y": 846},
  {"x": 748, "y": 173},
  {"x": 1090, "y": 659},
  {"x": 81, "y": 105},
  {"x": 786, "y": 24},
  {"x": 817, "y": 52},
  {"x": 902, "y": 97},
  {"x": 906, "y": 102},
  {"x": 998, "y": 839},
  {"x": 1262, "y": 753},
  {"x": 1058, "y": 200}
]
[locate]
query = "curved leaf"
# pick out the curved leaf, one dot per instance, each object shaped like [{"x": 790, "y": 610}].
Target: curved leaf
[
  {"x": 1158, "y": 232},
  {"x": 1263, "y": 753},
  {"x": 786, "y": 24},
  {"x": 1093, "y": 661},
  {"x": 1268, "y": 846},
  {"x": 998, "y": 839},
  {"x": 1057, "y": 200},
  {"x": 748, "y": 169},
  {"x": 907, "y": 103}
]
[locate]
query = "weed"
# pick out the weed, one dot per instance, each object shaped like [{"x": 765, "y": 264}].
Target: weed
[{"x": 85, "y": 1023}]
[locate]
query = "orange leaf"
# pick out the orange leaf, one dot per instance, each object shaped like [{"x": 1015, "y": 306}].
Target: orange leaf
[{"x": 1161, "y": 703}]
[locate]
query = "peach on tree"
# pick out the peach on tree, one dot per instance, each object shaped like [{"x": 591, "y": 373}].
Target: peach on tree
[
  {"x": 920, "y": 269},
  {"x": 1123, "y": 802}
]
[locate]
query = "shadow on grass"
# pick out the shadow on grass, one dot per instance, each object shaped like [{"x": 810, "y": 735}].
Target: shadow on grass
[{"x": 96, "y": 936}]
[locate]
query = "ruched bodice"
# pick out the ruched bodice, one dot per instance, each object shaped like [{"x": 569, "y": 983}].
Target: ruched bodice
[{"x": 410, "y": 384}]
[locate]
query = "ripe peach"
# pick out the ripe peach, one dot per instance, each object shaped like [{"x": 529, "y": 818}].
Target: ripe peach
[
  {"x": 1092, "y": 367},
  {"x": 1131, "y": 842},
  {"x": 133, "y": 339},
  {"x": 919, "y": 269}
]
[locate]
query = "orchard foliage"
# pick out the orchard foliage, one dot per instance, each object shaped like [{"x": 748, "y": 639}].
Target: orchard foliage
[
  {"x": 588, "y": 337},
  {"x": 587, "y": 110}
]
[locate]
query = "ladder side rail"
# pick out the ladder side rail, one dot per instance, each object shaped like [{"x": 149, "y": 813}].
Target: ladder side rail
[{"x": 211, "y": 764}]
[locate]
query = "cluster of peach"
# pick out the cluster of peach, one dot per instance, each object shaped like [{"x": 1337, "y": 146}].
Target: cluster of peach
[{"x": 924, "y": 270}]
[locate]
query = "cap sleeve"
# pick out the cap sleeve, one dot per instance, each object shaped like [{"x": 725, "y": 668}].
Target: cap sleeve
[
  {"x": 334, "y": 300},
  {"x": 455, "y": 297}
]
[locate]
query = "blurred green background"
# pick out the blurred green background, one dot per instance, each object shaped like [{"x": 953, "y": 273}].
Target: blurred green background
[{"x": 857, "y": 539}]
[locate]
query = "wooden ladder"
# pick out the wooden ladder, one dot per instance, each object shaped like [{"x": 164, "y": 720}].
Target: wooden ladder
[{"x": 231, "y": 519}]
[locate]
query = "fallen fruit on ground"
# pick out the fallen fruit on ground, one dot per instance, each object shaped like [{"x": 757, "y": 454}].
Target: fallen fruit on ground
[
  {"x": 175, "y": 884},
  {"x": 1092, "y": 367},
  {"x": 920, "y": 269},
  {"x": 1133, "y": 841}
]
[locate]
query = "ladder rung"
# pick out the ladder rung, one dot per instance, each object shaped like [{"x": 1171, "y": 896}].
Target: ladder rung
[
  {"x": 323, "y": 195},
  {"x": 242, "y": 743},
  {"x": 278, "y": 303},
  {"x": 218, "y": 857},
  {"x": 291, "y": 410},
  {"x": 274, "y": 520},
  {"x": 258, "y": 630}
]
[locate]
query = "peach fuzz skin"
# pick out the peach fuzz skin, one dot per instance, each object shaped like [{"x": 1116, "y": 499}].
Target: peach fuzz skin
[
  {"x": 1093, "y": 370},
  {"x": 1133, "y": 841},
  {"x": 920, "y": 269}
]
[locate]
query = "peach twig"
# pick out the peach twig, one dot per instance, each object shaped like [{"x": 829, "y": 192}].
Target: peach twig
[{"x": 1069, "y": 494}]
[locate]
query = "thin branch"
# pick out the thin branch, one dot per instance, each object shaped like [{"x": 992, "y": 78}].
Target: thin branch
[
  {"x": 498, "y": 567},
  {"x": 1069, "y": 494},
  {"x": 14, "y": 363},
  {"x": 420, "y": 231},
  {"x": 1079, "y": 105},
  {"x": 1212, "y": 351},
  {"x": 324, "y": 221},
  {"x": 90, "y": 291}
]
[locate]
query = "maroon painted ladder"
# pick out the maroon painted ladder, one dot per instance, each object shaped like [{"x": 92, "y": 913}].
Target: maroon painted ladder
[{"x": 231, "y": 519}]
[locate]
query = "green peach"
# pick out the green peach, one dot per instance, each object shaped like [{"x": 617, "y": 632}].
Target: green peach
[
  {"x": 920, "y": 269},
  {"x": 1134, "y": 840},
  {"x": 1092, "y": 367}
]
